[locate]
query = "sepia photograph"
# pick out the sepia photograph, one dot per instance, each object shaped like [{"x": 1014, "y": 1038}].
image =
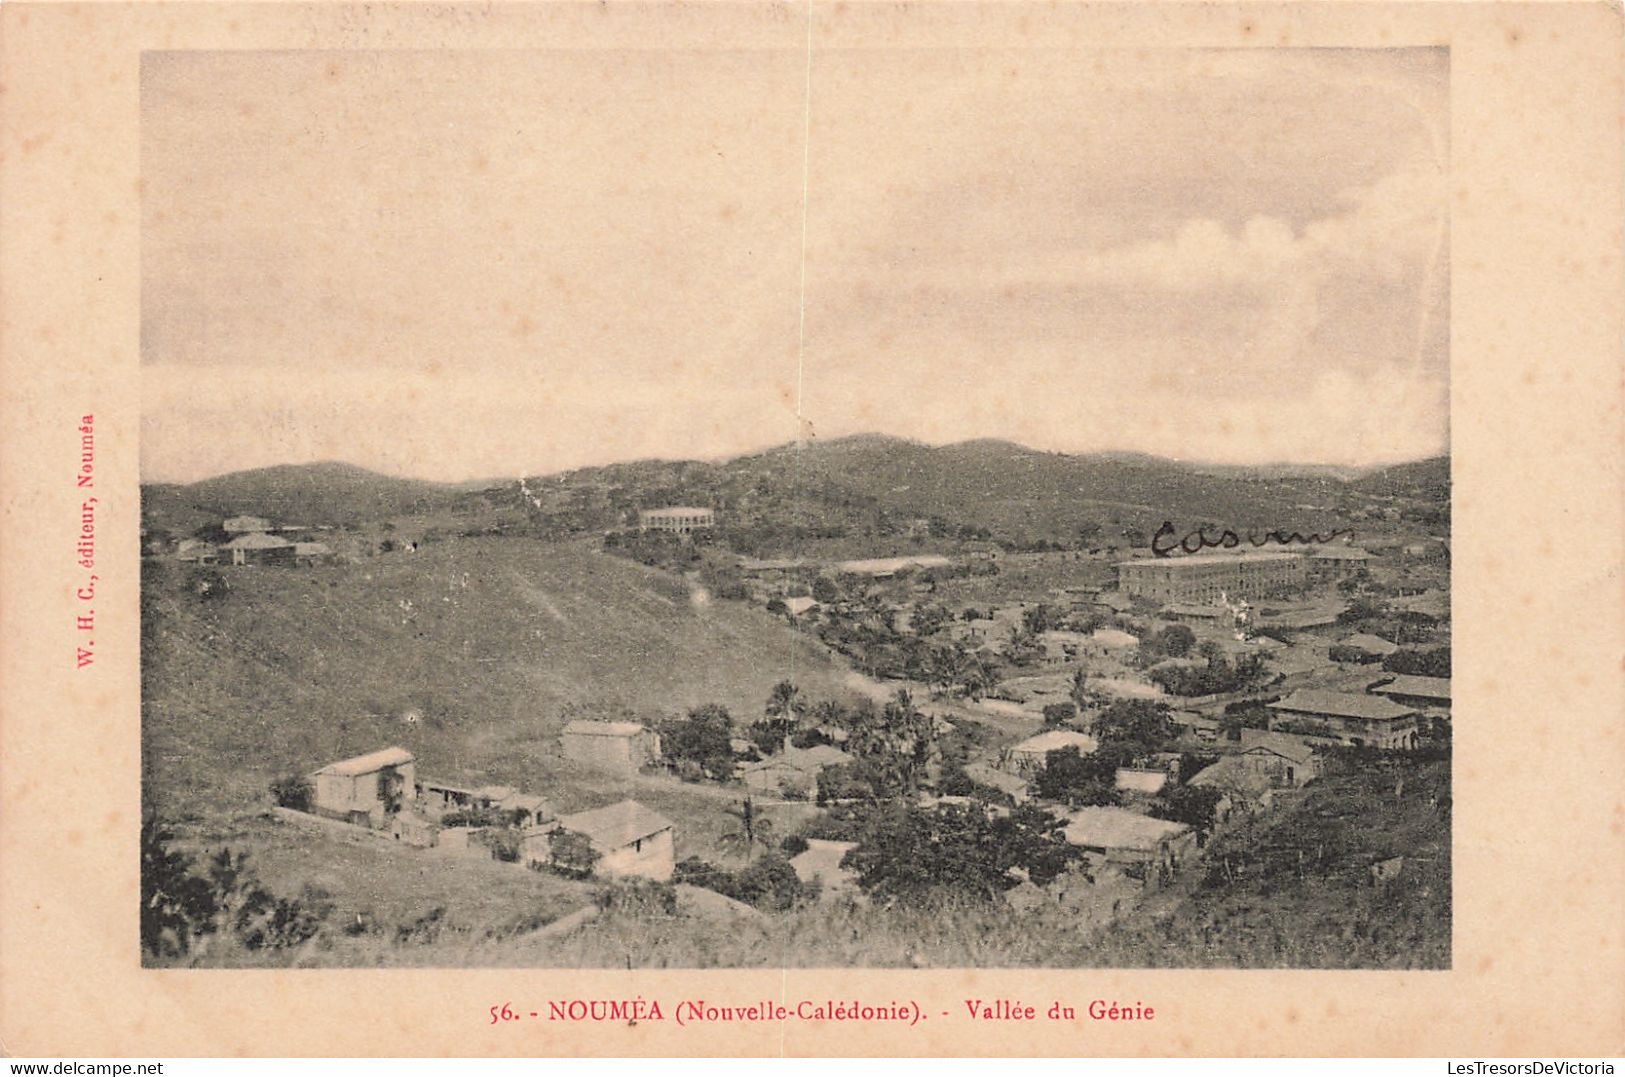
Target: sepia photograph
[{"x": 880, "y": 507}]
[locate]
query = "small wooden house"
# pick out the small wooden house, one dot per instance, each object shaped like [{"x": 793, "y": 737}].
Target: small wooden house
[{"x": 366, "y": 789}]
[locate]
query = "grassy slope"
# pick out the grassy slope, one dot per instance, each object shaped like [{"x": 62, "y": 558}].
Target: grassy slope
[
  {"x": 490, "y": 640},
  {"x": 324, "y": 493}
]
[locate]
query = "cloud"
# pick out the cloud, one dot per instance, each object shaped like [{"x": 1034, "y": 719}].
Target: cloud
[{"x": 1382, "y": 229}]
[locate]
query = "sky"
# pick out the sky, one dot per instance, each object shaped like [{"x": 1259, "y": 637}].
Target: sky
[{"x": 457, "y": 265}]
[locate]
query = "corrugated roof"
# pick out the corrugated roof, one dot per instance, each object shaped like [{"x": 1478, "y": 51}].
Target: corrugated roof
[
  {"x": 1186, "y": 609},
  {"x": 821, "y": 755},
  {"x": 603, "y": 729},
  {"x": 1341, "y": 553},
  {"x": 1141, "y": 781},
  {"x": 617, "y": 825},
  {"x": 1342, "y": 705},
  {"x": 1232, "y": 773},
  {"x": 1282, "y": 744},
  {"x": 1055, "y": 739},
  {"x": 1114, "y": 637},
  {"x": 874, "y": 565},
  {"x": 366, "y": 764},
  {"x": 1114, "y": 828},
  {"x": 257, "y": 540},
  {"x": 1210, "y": 558},
  {"x": 1406, "y": 684},
  {"x": 1365, "y": 641}
]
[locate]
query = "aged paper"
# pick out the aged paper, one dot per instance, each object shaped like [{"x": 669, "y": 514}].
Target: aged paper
[{"x": 723, "y": 459}]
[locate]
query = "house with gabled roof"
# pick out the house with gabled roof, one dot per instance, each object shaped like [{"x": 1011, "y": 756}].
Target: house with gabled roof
[
  {"x": 1122, "y": 838},
  {"x": 366, "y": 789},
  {"x": 1028, "y": 757},
  {"x": 259, "y": 548},
  {"x": 628, "y": 840},
  {"x": 1286, "y": 760},
  {"x": 622, "y": 747}
]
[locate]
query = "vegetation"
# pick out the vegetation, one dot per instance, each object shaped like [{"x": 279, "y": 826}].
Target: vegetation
[
  {"x": 1192, "y": 805},
  {"x": 186, "y": 909},
  {"x": 292, "y": 791},
  {"x": 703, "y": 737},
  {"x": 907, "y": 852},
  {"x": 507, "y": 637},
  {"x": 769, "y": 883},
  {"x": 1434, "y": 662},
  {"x": 1216, "y": 676},
  {"x": 475, "y": 650}
]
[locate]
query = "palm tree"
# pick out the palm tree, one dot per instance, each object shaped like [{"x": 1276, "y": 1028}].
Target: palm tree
[
  {"x": 753, "y": 830},
  {"x": 784, "y": 701}
]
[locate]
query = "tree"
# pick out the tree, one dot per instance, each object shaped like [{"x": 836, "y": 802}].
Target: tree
[
  {"x": 177, "y": 907},
  {"x": 769, "y": 883},
  {"x": 1246, "y": 714},
  {"x": 391, "y": 789},
  {"x": 571, "y": 853},
  {"x": 1070, "y": 777},
  {"x": 1079, "y": 690},
  {"x": 978, "y": 676},
  {"x": 825, "y": 591},
  {"x": 1022, "y": 648},
  {"x": 183, "y": 910},
  {"x": 1059, "y": 714},
  {"x": 753, "y": 829},
  {"x": 909, "y": 853},
  {"x": 929, "y": 619},
  {"x": 1193, "y": 805},
  {"x": 784, "y": 702},
  {"x": 704, "y": 737},
  {"x": 1140, "y": 723},
  {"x": 945, "y": 665},
  {"x": 1430, "y": 663},
  {"x": 1175, "y": 641}
]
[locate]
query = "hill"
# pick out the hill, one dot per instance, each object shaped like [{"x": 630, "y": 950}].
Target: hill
[
  {"x": 472, "y": 653},
  {"x": 866, "y": 495},
  {"x": 1427, "y": 480},
  {"x": 325, "y": 493}
]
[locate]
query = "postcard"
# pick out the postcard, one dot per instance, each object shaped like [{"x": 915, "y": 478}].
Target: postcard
[{"x": 812, "y": 528}]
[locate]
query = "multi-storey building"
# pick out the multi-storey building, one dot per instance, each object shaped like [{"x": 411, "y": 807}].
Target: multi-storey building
[
  {"x": 677, "y": 519},
  {"x": 1324, "y": 717},
  {"x": 1206, "y": 577}
]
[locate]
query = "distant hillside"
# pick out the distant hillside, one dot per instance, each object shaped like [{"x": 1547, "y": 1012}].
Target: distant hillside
[
  {"x": 864, "y": 495},
  {"x": 1427, "y": 480},
  {"x": 325, "y": 493},
  {"x": 472, "y": 652}
]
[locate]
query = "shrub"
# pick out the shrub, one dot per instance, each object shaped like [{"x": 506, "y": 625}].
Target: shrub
[
  {"x": 182, "y": 909},
  {"x": 637, "y": 897},
  {"x": 292, "y": 791},
  {"x": 1056, "y": 714}
]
